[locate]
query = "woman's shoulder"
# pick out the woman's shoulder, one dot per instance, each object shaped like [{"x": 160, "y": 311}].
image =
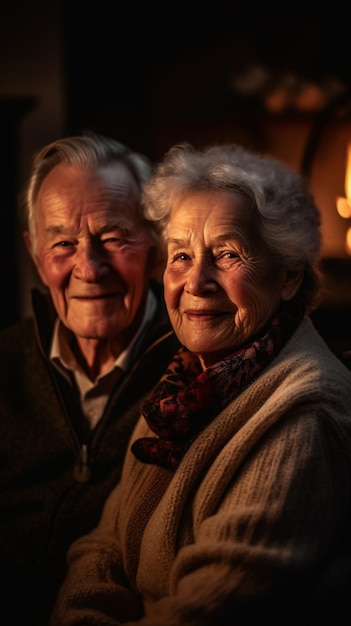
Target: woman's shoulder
[
  {"x": 309, "y": 360},
  {"x": 309, "y": 344}
]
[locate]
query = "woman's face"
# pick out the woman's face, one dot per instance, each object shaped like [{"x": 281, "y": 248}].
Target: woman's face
[{"x": 221, "y": 282}]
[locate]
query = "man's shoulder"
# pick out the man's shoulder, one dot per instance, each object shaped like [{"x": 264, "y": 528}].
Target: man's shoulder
[{"x": 17, "y": 334}]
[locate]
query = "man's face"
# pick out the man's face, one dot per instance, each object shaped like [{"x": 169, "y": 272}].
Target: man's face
[{"x": 93, "y": 250}]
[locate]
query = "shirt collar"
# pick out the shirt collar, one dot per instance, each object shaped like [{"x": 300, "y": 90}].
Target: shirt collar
[{"x": 61, "y": 351}]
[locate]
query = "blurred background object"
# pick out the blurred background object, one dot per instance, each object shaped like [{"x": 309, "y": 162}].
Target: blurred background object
[{"x": 275, "y": 80}]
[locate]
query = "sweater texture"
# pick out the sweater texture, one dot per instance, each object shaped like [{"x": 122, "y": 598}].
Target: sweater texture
[{"x": 253, "y": 527}]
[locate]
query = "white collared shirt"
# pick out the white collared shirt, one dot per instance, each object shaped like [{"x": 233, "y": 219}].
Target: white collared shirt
[{"x": 94, "y": 394}]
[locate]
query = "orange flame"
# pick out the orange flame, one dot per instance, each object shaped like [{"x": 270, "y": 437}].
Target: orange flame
[{"x": 343, "y": 205}]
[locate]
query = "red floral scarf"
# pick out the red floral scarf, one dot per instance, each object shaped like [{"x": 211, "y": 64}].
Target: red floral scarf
[{"x": 187, "y": 398}]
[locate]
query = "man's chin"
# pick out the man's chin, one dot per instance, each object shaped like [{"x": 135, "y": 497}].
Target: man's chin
[{"x": 99, "y": 328}]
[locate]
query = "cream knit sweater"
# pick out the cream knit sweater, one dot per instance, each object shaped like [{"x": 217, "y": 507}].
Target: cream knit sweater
[{"x": 254, "y": 523}]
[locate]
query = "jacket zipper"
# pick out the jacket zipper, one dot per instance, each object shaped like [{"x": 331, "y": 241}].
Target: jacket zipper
[{"x": 81, "y": 471}]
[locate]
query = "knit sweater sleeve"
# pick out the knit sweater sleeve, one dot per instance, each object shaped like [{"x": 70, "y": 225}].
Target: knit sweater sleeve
[
  {"x": 275, "y": 544},
  {"x": 269, "y": 543},
  {"x": 253, "y": 527},
  {"x": 96, "y": 590}
]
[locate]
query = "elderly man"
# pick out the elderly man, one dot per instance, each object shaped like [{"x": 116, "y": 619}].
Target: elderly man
[{"x": 73, "y": 377}]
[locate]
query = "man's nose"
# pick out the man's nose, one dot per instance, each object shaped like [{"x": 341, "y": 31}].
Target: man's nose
[{"x": 90, "y": 262}]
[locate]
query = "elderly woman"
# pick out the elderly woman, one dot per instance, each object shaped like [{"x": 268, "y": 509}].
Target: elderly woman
[{"x": 234, "y": 504}]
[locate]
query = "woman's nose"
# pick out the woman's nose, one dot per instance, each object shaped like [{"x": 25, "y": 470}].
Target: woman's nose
[{"x": 201, "y": 278}]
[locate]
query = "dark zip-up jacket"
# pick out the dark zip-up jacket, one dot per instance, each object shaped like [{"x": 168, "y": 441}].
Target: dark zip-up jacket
[{"x": 53, "y": 483}]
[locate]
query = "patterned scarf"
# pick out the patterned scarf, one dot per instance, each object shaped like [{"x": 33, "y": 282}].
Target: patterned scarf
[{"x": 187, "y": 398}]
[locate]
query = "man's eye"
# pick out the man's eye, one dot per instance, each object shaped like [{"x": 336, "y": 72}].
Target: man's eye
[
  {"x": 118, "y": 240},
  {"x": 62, "y": 244},
  {"x": 181, "y": 257}
]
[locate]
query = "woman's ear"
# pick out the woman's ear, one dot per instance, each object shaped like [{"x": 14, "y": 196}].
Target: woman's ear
[{"x": 291, "y": 285}]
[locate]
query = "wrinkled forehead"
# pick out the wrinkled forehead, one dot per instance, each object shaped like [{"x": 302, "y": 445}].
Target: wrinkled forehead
[
  {"x": 212, "y": 217},
  {"x": 113, "y": 178},
  {"x": 71, "y": 192}
]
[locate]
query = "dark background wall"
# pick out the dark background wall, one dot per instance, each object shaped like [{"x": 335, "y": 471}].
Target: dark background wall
[{"x": 153, "y": 76}]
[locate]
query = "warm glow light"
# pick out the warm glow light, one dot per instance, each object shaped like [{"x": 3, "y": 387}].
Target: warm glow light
[
  {"x": 348, "y": 241},
  {"x": 348, "y": 173},
  {"x": 343, "y": 205}
]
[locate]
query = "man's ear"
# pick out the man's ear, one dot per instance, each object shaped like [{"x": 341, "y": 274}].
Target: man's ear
[
  {"x": 29, "y": 245},
  {"x": 28, "y": 242},
  {"x": 291, "y": 285}
]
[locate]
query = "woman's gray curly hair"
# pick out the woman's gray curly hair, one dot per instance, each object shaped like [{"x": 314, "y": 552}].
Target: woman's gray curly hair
[{"x": 288, "y": 218}]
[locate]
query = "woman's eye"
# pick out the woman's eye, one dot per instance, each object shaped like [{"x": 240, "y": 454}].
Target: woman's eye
[{"x": 229, "y": 255}]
